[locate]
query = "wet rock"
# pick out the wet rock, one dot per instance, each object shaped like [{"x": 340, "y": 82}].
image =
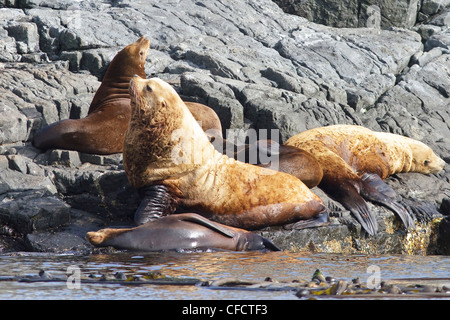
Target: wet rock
[
  {"x": 106, "y": 193},
  {"x": 56, "y": 242},
  {"x": 65, "y": 238},
  {"x": 443, "y": 238},
  {"x": 25, "y": 212}
]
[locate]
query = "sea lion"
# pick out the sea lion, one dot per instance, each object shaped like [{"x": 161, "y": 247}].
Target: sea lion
[
  {"x": 103, "y": 129},
  {"x": 207, "y": 118},
  {"x": 272, "y": 155},
  {"x": 355, "y": 160},
  {"x": 287, "y": 159},
  {"x": 164, "y": 146},
  {"x": 180, "y": 231}
]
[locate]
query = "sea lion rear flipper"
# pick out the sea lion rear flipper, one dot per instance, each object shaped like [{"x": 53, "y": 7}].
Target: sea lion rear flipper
[
  {"x": 373, "y": 180},
  {"x": 381, "y": 193},
  {"x": 156, "y": 202},
  {"x": 424, "y": 212},
  {"x": 406, "y": 216},
  {"x": 347, "y": 194}
]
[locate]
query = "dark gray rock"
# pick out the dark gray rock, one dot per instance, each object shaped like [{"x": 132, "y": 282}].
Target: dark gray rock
[
  {"x": 32, "y": 211},
  {"x": 26, "y": 36},
  {"x": 70, "y": 238},
  {"x": 431, "y": 7},
  {"x": 365, "y": 13},
  {"x": 216, "y": 95}
]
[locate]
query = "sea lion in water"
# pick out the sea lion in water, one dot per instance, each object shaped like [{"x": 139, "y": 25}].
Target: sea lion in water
[
  {"x": 103, "y": 129},
  {"x": 180, "y": 231},
  {"x": 355, "y": 160},
  {"x": 165, "y": 148}
]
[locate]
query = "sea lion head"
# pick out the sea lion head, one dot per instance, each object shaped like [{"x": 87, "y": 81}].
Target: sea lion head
[
  {"x": 162, "y": 134},
  {"x": 424, "y": 160},
  {"x": 130, "y": 60},
  {"x": 155, "y": 100}
]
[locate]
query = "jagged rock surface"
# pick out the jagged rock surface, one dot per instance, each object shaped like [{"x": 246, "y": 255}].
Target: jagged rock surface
[
  {"x": 256, "y": 66},
  {"x": 366, "y": 13}
]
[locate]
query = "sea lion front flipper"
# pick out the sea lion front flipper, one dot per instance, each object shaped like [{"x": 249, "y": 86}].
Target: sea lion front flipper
[
  {"x": 269, "y": 245},
  {"x": 346, "y": 193},
  {"x": 156, "y": 203},
  {"x": 378, "y": 191},
  {"x": 196, "y": 218},
  {"x": 320, "y": 220}
]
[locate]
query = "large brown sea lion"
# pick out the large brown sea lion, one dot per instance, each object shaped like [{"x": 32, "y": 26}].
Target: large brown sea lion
[
  {"x": 180, "y": 231},
  {"x": 103, "y": 129},
  {"x": 165, "y": 149},
  {"x": 354, "y": 161}
]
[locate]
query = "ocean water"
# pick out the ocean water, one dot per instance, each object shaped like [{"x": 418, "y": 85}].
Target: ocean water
[{"x": 205, "y": 266}]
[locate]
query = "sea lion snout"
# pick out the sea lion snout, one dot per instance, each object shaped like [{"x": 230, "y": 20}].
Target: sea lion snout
[
  {"x": 136, "y": 85},
  {"x": 441, "y": 165},
  {"x": 143, "y": 40}
]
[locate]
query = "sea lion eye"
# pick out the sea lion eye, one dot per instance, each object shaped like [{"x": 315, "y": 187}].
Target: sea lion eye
[
  {"x": 426, "y": 162},
  {"x": 149, "y": 89}
]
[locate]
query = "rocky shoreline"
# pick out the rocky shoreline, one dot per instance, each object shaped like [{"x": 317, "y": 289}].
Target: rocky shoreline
[{"x": 256, "y": 66}]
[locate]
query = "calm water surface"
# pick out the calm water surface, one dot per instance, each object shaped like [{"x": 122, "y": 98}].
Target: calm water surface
[{"x": 255, "y": 266}]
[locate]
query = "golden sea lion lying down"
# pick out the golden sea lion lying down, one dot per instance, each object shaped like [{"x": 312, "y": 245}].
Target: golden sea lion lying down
[{"x": 355, "y": 160}]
